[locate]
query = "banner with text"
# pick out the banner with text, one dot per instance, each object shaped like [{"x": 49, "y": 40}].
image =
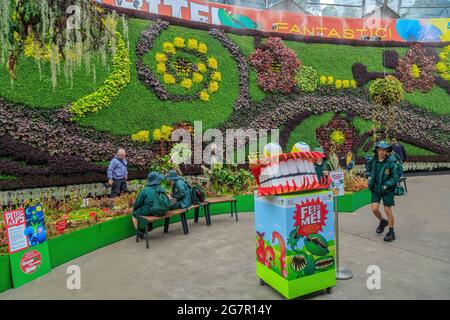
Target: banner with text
[{"x": 423, "y": 30}]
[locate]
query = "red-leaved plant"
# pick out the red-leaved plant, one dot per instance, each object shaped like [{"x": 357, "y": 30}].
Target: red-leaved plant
[
  {"x": 416, "y": 70},
  {"x": 276, "y": 66}
]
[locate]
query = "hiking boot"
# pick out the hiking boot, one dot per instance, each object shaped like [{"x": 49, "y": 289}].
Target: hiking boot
[
  {"x": 390, "y": 236},
  {"x": 383, "y": 224}
]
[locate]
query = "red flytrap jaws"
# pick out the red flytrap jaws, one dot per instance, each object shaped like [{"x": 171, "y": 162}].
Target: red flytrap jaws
[{"x": 289, "y": 172}]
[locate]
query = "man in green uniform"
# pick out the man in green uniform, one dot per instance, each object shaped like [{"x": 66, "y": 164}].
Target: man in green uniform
[
  {"x": 322, "y": 166},
  {"x": 181, "y": 192},
  {"x": 383, "y": 177},
  {"x": 152, "y": 201}
]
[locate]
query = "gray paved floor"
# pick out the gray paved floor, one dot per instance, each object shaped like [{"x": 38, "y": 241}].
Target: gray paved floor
[{"x": 217, "y": 262}]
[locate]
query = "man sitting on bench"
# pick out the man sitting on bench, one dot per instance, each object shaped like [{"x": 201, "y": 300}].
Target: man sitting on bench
[
  {"x": 152, "y": 201},
  {"x": 181, "y": 192}
]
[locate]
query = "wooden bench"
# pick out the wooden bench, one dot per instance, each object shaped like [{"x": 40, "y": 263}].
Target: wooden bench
[
  {"x": 166, "y": 217},
  {"x": 197, "y": 208},
  {"x": 231, "y": 200}
]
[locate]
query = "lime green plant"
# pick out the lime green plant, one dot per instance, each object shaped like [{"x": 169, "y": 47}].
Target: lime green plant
[
  {"x": 386, "y": 91},
  {"x": 117, "y": 80},
  {"x": 307, "y": 79},
  {"x": 141, "y": 136},
  {"x": 443, "y": 66},
  {"x": 337, "y": 137}
]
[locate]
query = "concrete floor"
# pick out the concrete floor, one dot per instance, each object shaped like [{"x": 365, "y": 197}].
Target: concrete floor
[{"x": 218, "y": 262}]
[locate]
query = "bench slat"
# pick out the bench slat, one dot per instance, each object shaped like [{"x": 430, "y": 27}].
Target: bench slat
[
  {"x": 219, "y": 200},
  {"x": 169, "y": 214}
]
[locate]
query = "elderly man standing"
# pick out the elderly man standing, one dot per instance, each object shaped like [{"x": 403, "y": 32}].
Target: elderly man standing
[{"x": 118, "y": 173}]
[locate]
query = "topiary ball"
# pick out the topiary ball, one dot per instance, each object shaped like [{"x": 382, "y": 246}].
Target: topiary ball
[{"x": 386, "y": 91}]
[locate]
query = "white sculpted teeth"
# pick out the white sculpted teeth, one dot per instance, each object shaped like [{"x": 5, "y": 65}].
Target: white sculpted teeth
[
  {"x": 284, "y": 168},
  {"x": 276, "y": 170},
  {"x": 292, "y": 166},
  {"x": 291, "y": 182},
  {"x": 300, "y": 165}
]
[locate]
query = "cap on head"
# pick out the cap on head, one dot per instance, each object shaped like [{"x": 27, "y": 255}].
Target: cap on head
[
  {"x": 172, "y": 175},
  {"x": 383, "y": 144}
]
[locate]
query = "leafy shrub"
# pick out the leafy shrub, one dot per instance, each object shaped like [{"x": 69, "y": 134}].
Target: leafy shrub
[
  {"x": 230, "y": 180},
  {"x": 141, "y": 136},
  {"x": 168, "y": 47},
  {"x": 178, "y": 42},
  {"x": 213, "y": 87},
  {"x": 307, "y": 79},
  {"x": 117, "y": 80},
  {"x": 274, "y": 51},
  {"x": 386, "y": 91},
  {"x": 204, "y": 96},
  {"x": 202, "y": 48},
  {"x": 338, "y": 84},
  {"x": 345, "y": 84},
  {"x": 163, "y": 134},
  {"x": 186, "y": 83},
  {"x": 330, "y": 80},
  {"x": 443, "y": 66}
]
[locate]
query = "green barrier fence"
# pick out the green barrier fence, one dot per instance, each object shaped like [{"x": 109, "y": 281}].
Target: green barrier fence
[{"x": 75, "y": 244}]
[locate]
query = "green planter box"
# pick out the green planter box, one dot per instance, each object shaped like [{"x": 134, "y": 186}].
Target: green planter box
[
  {"x": 352, "y": 201},
  {"x": 5, "y": 273},
  {"x": 75, "y": 244}
]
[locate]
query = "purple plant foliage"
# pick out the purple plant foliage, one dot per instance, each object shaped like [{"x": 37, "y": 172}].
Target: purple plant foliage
[
  {"x": 390, "y": 58},
  {"x": 19, "y": 151},
  {"x": 242, "y": 101},
  {"x": 53, "y": 133}
]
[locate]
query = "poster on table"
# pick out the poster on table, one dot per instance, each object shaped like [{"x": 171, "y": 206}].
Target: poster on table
[
  {"x": 27, "y": 244},
  {"x": 295, "y": 242},
  {"x": 337, "y": 182}
]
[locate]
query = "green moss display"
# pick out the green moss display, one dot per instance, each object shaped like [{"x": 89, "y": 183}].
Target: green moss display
[
  {"x": 436, "y": 100},
  {"x": 306, "y": 131},
  {"x": 140, "y": 109}
]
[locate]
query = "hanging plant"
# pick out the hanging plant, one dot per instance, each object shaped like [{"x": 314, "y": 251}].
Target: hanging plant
[
  {"x": 44, "y": 30},
  {"x": 276, "y": 66}
]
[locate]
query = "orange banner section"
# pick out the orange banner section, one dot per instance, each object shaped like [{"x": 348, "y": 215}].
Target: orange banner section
[{"x": 295, "y": 23}]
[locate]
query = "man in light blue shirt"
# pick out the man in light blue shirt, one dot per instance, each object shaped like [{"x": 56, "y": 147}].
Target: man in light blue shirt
[{"x": 118, "y": 173}]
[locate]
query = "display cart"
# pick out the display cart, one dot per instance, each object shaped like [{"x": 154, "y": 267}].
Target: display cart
[{"x": 295, "y": 249}]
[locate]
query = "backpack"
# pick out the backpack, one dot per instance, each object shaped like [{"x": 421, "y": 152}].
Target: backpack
[
  {"x": 161, "y": 204},
  {"x": 399, "y": 190},
  {"x": 197, "y": 194},
  {"x": 399, "y": 164}
]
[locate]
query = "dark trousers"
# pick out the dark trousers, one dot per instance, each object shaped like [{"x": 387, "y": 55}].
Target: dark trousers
[{"x": 119, "y": 186}]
